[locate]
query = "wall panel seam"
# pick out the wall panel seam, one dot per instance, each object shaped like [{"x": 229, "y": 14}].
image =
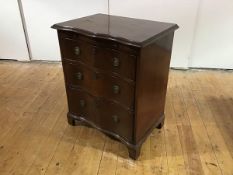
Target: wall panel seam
[{"x": 24, "y": 28}]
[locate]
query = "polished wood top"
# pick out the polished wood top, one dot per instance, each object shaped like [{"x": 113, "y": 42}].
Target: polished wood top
[{"x": 130, "y": 31}]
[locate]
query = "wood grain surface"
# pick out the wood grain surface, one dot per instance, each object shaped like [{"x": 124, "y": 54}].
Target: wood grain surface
[{"x": 35, "y": 137}]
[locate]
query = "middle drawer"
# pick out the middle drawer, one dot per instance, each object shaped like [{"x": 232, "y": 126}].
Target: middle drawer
[{"x": 99, "y": 84}]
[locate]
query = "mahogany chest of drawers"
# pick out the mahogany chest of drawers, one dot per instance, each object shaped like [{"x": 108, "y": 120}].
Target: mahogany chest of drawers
[{"x": 116, "y": 72}]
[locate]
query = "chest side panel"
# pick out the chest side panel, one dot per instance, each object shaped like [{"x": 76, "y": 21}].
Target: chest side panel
[{"x": 151, "y": 85}]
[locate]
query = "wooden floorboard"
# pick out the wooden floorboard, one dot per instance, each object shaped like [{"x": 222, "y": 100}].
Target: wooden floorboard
[{"x": 197, "y": 137}]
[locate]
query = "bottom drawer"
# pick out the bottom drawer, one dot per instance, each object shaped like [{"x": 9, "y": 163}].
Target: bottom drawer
[
  {"x": 81, "y": 104},
  {"x": 105, "y": 114}
]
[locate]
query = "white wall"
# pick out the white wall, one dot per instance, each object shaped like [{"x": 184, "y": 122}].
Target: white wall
[
  {"x": 40, "y": 15},
  {"x": 204, "y": 39},
  {"x": 213, "y": 41},
  {"x": 12, "y": 39},
  {"x": 182, "y": 12}
]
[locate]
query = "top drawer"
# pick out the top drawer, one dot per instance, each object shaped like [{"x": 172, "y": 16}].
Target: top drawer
[
  {"x": 100, "y": 54},
  {"x": 77, "y": 50}
]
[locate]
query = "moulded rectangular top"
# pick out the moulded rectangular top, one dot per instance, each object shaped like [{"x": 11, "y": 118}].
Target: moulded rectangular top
[{"x": 125, "y": 30}]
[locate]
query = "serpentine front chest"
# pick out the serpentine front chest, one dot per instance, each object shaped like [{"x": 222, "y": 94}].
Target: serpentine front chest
[{"x": 116, "y": 72}]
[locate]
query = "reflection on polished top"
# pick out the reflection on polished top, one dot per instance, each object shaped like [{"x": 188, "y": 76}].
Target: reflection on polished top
[{"x": 131, "y": 31}]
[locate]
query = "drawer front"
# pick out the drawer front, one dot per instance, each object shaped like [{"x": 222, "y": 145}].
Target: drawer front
[
  {"x": 105, "y": 114},
  {"x": 99, "y": 84},
  {"x": 114, "y": 118},
  {"x": 77, "y": 50},
  {"x": 115, "y": 61},
  {"x": 104, "y": 55},
  {"x": 81, "y": 104}
]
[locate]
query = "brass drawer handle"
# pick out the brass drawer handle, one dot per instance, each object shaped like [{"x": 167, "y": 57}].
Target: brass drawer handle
[
  {"x": 115, "y": 118},
  {"x": 82, "y": 103},
  {"x": 77, "y": 50},
  {"x": 116, "y": 62},
  {"x": 116, "y": 89},
  {"x": 79, "y": 75}
]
